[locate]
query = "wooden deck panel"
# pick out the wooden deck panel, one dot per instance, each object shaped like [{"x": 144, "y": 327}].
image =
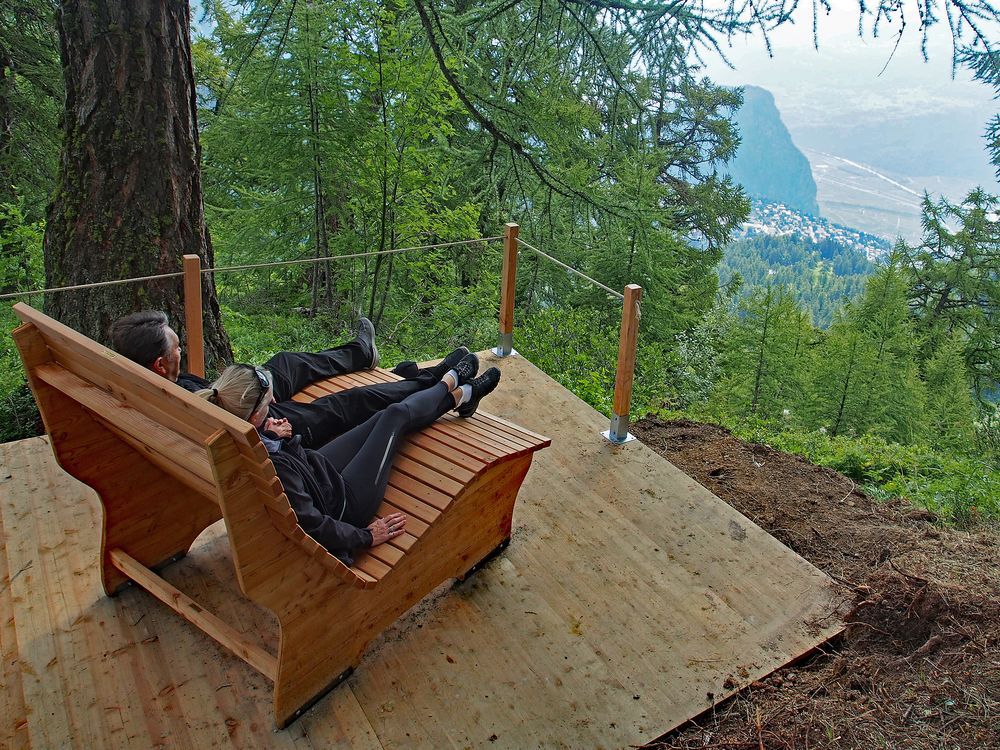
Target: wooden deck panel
[{"x": 624, "y": 578}]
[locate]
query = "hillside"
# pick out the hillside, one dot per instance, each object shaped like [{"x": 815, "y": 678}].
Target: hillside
[
  {"x": 821, "y": 275},
  {"x": 768, "y": 164},
  {"x": 779, "y": 220},
  {"x": 919, "y": 666}
]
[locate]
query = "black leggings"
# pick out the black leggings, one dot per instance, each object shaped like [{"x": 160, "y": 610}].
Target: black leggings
[
  {"x": 320, "y": 421},
  {"x": 363, "y": 456}
]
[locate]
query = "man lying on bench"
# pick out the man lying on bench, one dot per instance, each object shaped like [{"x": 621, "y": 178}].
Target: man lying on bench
[
  {"x": 336, "y": 490},
  {"x": 146, "y": 338}
]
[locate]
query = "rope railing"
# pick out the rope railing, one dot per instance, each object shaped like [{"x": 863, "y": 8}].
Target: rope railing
[
  {"x": 617, "y": 434},
  {"x": 628, "y": 336},
  {"x": 572, "y": 270},
  {"x": 247, "y": 267},
  {"x": 94, "y": 285}
]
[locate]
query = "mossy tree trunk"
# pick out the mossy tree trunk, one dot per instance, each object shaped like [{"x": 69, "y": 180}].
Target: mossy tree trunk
[{"x": 128, "y": 201}]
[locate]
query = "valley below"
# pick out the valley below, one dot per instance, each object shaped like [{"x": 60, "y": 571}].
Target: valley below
[{"x": 856, "y": 195}]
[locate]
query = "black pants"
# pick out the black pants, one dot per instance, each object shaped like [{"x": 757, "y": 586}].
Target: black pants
[
  {"x": 329, "y": 416},
  {"x": 293, "y": 371},
  {"x": 363, "y": 456}
]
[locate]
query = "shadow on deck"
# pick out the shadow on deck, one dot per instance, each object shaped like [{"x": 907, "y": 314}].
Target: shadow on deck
[{"x": 630, "y": 599}]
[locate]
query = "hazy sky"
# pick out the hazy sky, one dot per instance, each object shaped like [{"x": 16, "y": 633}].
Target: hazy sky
[{"x": 845, "y": 77}]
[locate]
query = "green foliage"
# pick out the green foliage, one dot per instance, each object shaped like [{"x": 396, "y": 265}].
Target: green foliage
[
  {"x": 954, "y": 282},
  {"x": 865, "y": 378},
  {"x": 988, "y": 432},
  {"x": 18, "y": 413},
  {"x": 821, "y": 275},
  {"x": 31, "y": 94},
  {"x": 19, "y": 417},
  {"x": 346, "y": 127},
  {"x": 765, "y": 357},
  {"x": 697, "y": 362},
  {"x": 962, "y": 490},
  {"x": 320, "y": 143},
  {"x": 950, "y": 409},
  {"x": 985, "y": 65},
  {"x": 20, "y": 269},
  {"x": 881, "y": 395},
  {"x": 580, "y": 350},
  {"x": 20, "y": 249}
]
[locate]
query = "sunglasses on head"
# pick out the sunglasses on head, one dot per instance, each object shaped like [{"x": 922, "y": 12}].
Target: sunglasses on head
[{"x": 264, "y": 384}]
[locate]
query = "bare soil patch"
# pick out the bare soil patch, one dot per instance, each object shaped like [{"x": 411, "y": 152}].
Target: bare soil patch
[{"x": 919, "y": 665}]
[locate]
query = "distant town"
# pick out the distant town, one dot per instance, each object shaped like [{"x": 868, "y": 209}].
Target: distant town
[{"x": 776, "y": 219}]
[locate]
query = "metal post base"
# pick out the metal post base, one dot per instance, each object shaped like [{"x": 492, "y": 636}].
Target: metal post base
[
  {"x": 615, "y": 440},
  {"x": 506, "y": 346},
  {"x": 618, "y": 434}
]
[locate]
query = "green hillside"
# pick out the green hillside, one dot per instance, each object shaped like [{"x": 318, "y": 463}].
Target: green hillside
[{"x": 820, "y": 275}]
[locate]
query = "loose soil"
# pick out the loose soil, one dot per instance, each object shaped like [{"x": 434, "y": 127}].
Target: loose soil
[{"x": 919, "y": 664}]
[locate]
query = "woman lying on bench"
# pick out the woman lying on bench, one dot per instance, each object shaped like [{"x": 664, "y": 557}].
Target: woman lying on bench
[{"x": 336, "y": 489}]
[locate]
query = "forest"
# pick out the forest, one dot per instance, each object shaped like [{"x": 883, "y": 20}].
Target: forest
[{"x": 330, "y": 131}]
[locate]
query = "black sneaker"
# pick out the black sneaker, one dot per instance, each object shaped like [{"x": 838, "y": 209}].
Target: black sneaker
[
  {"x": 406, "y": 369},
  {"x": 466, "y": 368},
  {"x": 449, "y": 363},
  {"x": 484, "y": 384},
  {"x": 366, "y": 335}
]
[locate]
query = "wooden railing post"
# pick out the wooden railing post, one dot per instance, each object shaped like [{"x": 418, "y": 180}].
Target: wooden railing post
[
  {"x": 627, "y": 342},
  {"x": 508, "y": 284},
  {"x": 193, "y": 323}
]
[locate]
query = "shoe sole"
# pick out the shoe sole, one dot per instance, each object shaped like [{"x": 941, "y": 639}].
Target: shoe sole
[{"x": 367, "y": 333}]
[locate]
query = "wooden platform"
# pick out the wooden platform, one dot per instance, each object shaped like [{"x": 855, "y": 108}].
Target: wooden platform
[{"x": 629, "y": 600}]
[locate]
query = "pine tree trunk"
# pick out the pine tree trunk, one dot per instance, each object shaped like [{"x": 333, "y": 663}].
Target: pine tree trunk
[
  {"x": 128, "y": 201},
  {"x": 846, "y": 389},
  {"x": 761, "y": 361}
]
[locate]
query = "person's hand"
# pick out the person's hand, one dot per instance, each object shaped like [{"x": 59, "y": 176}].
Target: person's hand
[
  {"x": 280, "y": 427},
  {"x": 384, "y": 529}
]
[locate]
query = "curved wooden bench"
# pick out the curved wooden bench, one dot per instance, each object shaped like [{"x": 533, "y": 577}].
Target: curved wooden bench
[{"x": 167, "y": 464}]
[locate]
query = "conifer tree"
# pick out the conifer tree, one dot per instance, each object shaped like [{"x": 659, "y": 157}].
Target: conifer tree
[
  {"x": 950, "y": 408},
  {"x": 766, "y": 365},
  {"x": 128, "y": 200},
  {"x": 866, "y": 377},
  {"x": 30, "y": 97},
  {"x": 841, "y": 360},
  {"x": 327, "y": 134},
  {"x": 892, "y": 394},
  {"x": 954, "y": 282}
]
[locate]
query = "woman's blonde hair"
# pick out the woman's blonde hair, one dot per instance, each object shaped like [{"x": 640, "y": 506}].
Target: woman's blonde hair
[{"x": 239, "y": 389}]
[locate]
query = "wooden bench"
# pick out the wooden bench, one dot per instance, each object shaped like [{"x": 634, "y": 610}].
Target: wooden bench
[{"x": 167, "y": 464}]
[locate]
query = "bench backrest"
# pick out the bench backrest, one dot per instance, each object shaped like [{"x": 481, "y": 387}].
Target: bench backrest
[{"x": 205, "y": 448}]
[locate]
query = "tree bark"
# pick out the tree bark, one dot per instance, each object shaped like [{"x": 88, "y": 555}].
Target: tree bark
[{"x": 128, "y": 201}]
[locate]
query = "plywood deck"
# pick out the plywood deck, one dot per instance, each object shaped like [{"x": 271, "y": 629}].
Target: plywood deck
[{"x": 628, "y": 599}]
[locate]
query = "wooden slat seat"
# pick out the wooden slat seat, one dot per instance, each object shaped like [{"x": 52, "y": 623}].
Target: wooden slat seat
[{"x": 167, "y": 464}]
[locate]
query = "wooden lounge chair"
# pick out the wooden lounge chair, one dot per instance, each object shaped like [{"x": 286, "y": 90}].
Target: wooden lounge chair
[{"x": 167, "y": 464}]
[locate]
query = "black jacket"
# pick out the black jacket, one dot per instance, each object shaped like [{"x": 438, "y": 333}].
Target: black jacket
[
  {"x": 315, "y": 490},
  {"x": 317, "y": 494},
  {"x": 192, "y": 382}
]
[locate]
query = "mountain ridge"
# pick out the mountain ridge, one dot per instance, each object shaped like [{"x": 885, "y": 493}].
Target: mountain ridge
[{"x": 768, "y": 163}]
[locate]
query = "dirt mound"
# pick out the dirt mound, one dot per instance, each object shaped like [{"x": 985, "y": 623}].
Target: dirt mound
[{"x": 919, "y": 665}]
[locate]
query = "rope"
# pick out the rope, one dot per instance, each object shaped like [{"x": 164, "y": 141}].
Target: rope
[
  {"x": 303, "y": 261},
  {"x": 93, "y": 285},
  {"x": 608, "y": 289},
  {"x": 227, "y": 269}
]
